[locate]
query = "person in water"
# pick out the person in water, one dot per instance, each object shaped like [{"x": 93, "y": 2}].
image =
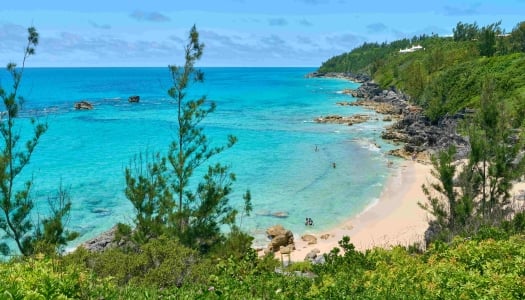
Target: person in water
[{"x": 309, "y": 222}]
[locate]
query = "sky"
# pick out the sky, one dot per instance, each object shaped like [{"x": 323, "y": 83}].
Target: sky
[{"x": 243, "y": 33}]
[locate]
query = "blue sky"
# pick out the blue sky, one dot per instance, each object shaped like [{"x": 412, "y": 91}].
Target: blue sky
[{"x": 236, "y": 32}]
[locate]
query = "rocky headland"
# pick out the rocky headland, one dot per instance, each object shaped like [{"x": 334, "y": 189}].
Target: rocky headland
[{"x": 417, "y": 134}]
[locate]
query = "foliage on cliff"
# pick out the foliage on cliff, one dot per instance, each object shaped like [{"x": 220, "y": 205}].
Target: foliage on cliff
[{"x": 446, "y": 75}]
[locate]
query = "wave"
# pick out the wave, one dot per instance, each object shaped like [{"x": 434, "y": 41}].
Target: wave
[{"x": 369, "y": 144}]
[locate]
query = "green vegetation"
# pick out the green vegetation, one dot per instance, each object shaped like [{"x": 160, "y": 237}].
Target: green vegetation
[
  {"x": 448, "y": 74},
  {"x": 160, "y": 190},
  {"x": 17, "y": 205},
  {"x": 463, "y": 269},
  {"x": 479, "y": 68},
  {"x": 465, "y": 199},
  {"x": 175, "y": 249}
]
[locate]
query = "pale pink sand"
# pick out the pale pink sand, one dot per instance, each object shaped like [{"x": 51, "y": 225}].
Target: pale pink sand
[{"x": 396, "y": 219}]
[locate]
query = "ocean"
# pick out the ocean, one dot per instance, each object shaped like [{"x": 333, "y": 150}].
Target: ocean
[{"x": 282, "y": 156}]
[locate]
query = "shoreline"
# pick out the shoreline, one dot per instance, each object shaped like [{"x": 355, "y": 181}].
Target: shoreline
[{"x": 395, "y": 219}]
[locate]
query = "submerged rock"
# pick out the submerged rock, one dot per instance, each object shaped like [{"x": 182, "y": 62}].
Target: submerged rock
[{"x": 280, "y": 214}]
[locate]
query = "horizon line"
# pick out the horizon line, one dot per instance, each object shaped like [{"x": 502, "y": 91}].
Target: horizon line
[{"x": 94, "y": 67}]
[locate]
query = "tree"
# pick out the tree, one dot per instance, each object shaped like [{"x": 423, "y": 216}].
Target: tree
[
  {"x": 148, "y": 191},
  {"x": 53, "y": 235},
  {"x": 441, "y": 196},
  {"x": 465, "y": 32},
  {"x": 482, "y": 194},
  {"x": 495, "y": 154},
  {"x": 415, "y": 78},
  {"x": 487, "y": 39},
  {"x": 165, "y": 201},
  {"x": 16, "y": 205},
  {"x": 517, "y": 38}
]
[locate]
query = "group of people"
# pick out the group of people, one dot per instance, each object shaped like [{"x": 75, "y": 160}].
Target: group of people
[{"x": 309, "y": 222}]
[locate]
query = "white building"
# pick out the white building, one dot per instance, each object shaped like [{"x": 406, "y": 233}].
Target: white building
[{"x": 411, "y": 49}]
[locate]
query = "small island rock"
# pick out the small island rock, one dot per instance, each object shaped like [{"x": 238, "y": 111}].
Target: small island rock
[
  {"x": 83, "y": 105},
  {"x": 134, "y": 99}
]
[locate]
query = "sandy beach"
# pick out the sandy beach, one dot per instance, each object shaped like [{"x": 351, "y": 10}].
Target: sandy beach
[{"x": 396, "y": 219}]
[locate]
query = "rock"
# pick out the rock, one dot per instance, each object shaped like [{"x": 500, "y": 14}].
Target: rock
[
  {"x": 413, "y": 129},
  {"x": 83, "y": 105},
  {"x": 325, "y": 236},
  {"x": 275, "y": 231},
  {"x": 102, "y": 242},
  {"x": 281, "y": 240},
  {"x": 134, "y": 99},
  {"x": 279, "y": 236},
  {"x": 319, "y": 260},
  {"x": 310, "y": 239},
  {"x": 336, "y": 119},
  {"x": 285, "y": 249},
  {"x": 312, "y": 255},
  {"x": 358, "y": 78},
  {"x": 280, "y": 214}
]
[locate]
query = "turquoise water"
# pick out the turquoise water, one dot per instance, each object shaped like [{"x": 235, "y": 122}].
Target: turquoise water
[{"x": 270, "y": 110}]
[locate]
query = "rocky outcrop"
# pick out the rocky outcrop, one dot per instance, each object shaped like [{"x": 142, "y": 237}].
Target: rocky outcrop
[
  {"x": 336, "y": 119},
  {"x": 417, "y": 133},
  {"x": 134, "y": 99},
  {"x": 279, "y": 237},
  {"x": 83, "y": 105},
  {"x": 355, "y": 77},
  {"x": 102, "y": 242},
  {"x": 378, "y": 107}
]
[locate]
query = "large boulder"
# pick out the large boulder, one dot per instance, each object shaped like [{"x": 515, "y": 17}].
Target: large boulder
[
  {"x": 83, "y": 105},
  {"x": 275, "y": 231},
  {"x": 279, "y": 237}
]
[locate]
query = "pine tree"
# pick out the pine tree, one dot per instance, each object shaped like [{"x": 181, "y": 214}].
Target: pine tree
[
  {"x": 482, "y": 192},
  {"x": 495, "y": 155},
  {"x": 164, "y": 199},
  {"x": 16, "y": 205}
]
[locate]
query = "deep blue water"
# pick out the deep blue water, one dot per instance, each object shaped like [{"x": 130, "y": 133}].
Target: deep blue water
[{"x": 270, "y": 110}]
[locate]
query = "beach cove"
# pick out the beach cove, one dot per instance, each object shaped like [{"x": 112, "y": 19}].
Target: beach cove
[{"x": 270, "y": 110}]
